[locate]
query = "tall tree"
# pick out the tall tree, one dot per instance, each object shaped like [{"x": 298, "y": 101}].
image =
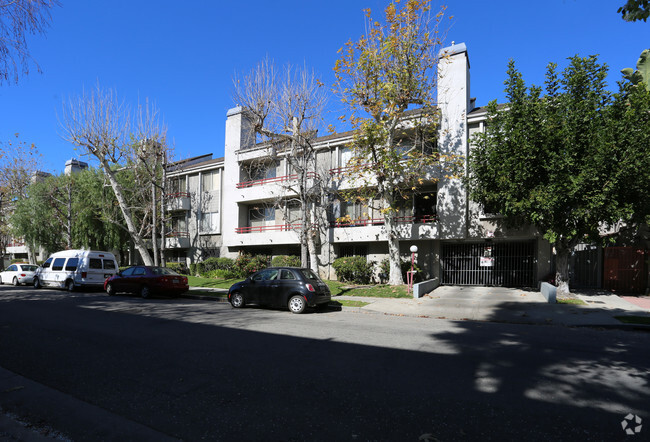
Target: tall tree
[
  {"x": 18, "y": 164},
  {"x": 100, "y": 126},
  {"x": 19, "y": 18},
  {"x": 381, "y": 78},
  {"x": 564, "y": 161},
  {"x": 634, "y": 10},
  {"x": 286, "y": 110}
]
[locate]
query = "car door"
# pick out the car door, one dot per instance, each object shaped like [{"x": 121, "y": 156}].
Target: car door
[
  {"x": 121, "y": 283},
  {"x": 288, "y": 283},
  {"x": 137, "y": 279},
  {"x": 261, "y": 287},
  {"x": 9, "y": 274}
]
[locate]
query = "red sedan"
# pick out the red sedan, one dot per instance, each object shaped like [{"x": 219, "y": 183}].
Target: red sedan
[{"x": 147, "y": 280}]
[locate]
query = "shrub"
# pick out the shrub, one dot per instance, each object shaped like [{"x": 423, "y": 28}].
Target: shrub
[
  {"x": 286, "y": 261},
  {"x": 221, "y": 274},
  {"x": 217, "y": 263},
  {"x": 355, "y": 269},
  {"x": 15, "y": 260},
  {"x": 246, "y": 264},
  {"x": 193, "y": 269},
  {"x": 384, "y": 270},
  {"x": 178, "y": 267}
]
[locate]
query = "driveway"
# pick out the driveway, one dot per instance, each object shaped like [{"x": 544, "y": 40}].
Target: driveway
[{"x": 500, "y": 304}]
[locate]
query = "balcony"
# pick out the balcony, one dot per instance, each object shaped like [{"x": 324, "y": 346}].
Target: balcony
[
  {"x": 256, "y": 190},
  {"x": 373, "y": 229},
  {"x": 177, "y": 240},
  {"x": 265, "y": 235},
  {"x": 177, "y": 201}
]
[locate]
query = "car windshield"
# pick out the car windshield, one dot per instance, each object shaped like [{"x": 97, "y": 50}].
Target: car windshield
[
  {"x": 162, "y": 271},
  {"x": 28, "y": 268},
  {"x": 308, "y": 274}
]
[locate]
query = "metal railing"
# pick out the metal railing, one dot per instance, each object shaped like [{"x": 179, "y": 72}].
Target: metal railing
[
  {"x": 426, "y": 219},
  {"x": 177, "y": 234},
  {"x": 272, "y": 227},
  {"x": 279, "y": 179}
]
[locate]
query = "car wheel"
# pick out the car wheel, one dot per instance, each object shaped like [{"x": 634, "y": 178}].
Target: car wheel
[
  {"x": 237, "y": 300},
  {"x": 110, "y": 290},
  {"x": 15, "y": 281},
  {"x": 297, "y": 304},
  {"x": 69, "y": 285},
  {"x": 145, "y": 292},
  {"x": 37, "y": 283}
]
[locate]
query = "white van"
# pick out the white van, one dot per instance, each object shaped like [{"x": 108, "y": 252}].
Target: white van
[{"x": 70, "y": 269}]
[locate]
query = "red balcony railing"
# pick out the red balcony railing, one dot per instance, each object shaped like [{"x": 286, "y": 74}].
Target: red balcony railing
[
  {"x": 177, "y": 234},
  {"x": 279, "y": 179},
  {"x": 273, "y": 227},
  {"x": 177, "y": 195},
  {"x": 426, "y": 219}
]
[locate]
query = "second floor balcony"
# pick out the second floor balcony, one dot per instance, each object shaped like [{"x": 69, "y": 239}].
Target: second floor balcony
[
  {"x": 177, "y": 240},
  {"x": 177, "y": 201}
]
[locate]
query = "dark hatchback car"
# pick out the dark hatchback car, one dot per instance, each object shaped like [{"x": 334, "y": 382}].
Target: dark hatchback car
[
  {"x": 290, "y": 287},
  {"x": 147, "y": 280}
]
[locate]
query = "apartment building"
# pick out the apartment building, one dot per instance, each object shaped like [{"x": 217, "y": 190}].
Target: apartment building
[{"x": 242, "y": 203}]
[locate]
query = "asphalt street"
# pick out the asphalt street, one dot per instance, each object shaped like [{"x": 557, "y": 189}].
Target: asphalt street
[{"x": 199, "y": 370}]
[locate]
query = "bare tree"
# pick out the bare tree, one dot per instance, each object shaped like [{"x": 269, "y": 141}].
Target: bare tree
[
  {"x": 99, "y": 124},
  {"x": 18, "y": 164},
  {"x": 17, "y": 19},
  {"x": 286, "y": 110}
]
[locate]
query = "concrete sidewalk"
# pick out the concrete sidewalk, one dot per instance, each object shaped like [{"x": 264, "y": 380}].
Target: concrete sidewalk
[{"x": 499, "y": 304}]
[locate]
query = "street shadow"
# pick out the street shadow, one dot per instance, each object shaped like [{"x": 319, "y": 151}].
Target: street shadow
[{"x": 199, "y": 370}]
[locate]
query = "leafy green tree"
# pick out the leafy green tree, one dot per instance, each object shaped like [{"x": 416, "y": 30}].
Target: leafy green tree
[
  {"x": 382, "y": 78},
  {"x": 642, "y": 72},
  {"x": 570, "y": 161},
  {"x": 634, "y": 10}
]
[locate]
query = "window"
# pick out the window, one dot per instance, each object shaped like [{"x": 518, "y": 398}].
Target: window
[
  {"x": 266, "y": 275},
  {"x": 109, "y": 264},
  {"x": 261, "y": 171},
  {"x": 210, "y": 222},
  {"x": 95, "y": 263},
  {"x": 12, "y": 268},
  {"x": 353, "y": 250},
  {"x": 425, "y": 206},
  {"x": 128, "y": 272},
  {"x": 287, "y": 274},
  {"x": 260, "y": 216},
  {"x": 71, "y": 265},
  {"x": 58, "y": 264},
  {"x": 345, "y": 156},
  {"x": 139, "y": 271},
  {"x": 178, "y": 223},
  {"x": 210, "y": 181},
  {"x": 178, "y": 185},
  {"x": 47, "y": 263}
]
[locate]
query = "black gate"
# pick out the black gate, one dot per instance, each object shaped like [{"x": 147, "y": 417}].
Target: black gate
[{"x": 503, "y": 264}]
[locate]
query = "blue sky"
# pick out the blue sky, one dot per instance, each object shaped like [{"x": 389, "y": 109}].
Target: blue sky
[{"x": 182, "y": 55}]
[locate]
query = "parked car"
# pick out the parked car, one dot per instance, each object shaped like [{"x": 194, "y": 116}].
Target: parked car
[
  {"x": 290, "y": 287},
  {"x": 71, "y": 269},
  {"x": 147, "y": 280},
  {"x": 18, "y": 274}
]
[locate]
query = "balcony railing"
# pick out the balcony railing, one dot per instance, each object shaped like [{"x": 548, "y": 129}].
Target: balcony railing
[
  {"x": 280, "y": 179},
  {"x": 170, "y": 196},
  {"x": 272, "y": 227},
  {"x": 426, "y": 219},
  {"x": 177, "y": 234}
]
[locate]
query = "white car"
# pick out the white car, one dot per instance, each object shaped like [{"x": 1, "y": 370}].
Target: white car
[{"x": 17, "y": 274}]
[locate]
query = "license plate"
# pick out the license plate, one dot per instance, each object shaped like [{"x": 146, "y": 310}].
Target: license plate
[{"x": 175, "y": 281}]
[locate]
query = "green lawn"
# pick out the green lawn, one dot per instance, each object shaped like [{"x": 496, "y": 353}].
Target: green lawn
[
  {"x": 337, "y": 288},
  {"x": 571, "y": 301}
]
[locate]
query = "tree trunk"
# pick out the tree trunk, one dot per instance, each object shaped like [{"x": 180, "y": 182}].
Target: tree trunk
[
  {"x": 395, "y": 274},
  {"x": 154, "y": 225},
  {"x": 139, "y": 244},
  {"x": 562, "y": 268}
]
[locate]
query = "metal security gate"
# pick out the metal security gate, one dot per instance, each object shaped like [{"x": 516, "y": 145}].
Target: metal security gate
[
  {"x": 585, "y": 267},
  {"x": 625, "y": 269},
  {"x": 509, "y": 264}
]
